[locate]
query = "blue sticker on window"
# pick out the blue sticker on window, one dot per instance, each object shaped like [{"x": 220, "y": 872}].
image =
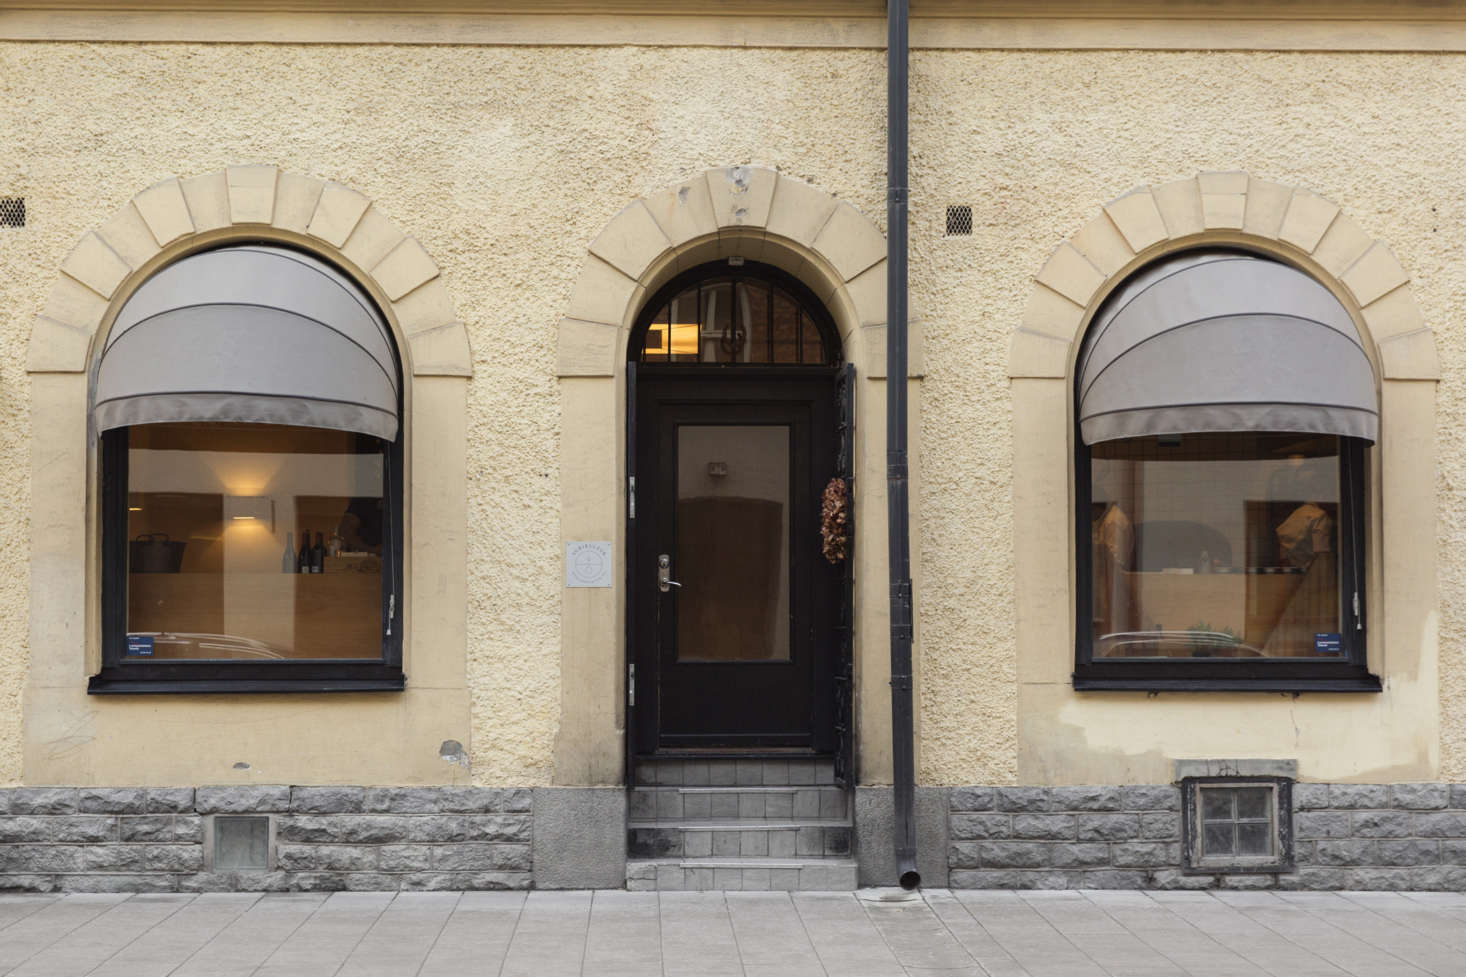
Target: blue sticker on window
[
  {"x": 140, "y": 644},
  {"x": 1328, "y": 644}
]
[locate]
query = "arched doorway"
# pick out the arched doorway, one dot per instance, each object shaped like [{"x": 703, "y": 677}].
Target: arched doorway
[{"x": 738, "y": 620}]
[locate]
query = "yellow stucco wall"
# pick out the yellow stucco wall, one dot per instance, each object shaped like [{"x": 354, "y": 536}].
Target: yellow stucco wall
[{"x": 506, "y": 162}]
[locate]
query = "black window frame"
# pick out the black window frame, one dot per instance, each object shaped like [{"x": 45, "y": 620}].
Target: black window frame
[
  {"x": 120, "y": 675},
  {"x": 1348, "y": 673}
]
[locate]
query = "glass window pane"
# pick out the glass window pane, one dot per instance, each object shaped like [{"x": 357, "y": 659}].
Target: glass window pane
[
  {"x": 732, "y": 553},
  {"x": 656, "y": 347},
  {"x": 1216, "y": 804},
  {"x": 221, "y": 518},
  {"x": 1254, "y": 839},
  {"x": 753, "y": 313},
  {"x": 1217, "y": 839},
  {"x": 721, "y": 340},
  {"x": 1216, "y": 546},
  {"x": 682, "y": 327},
  {"x": 1254, "y": 803},
  {"x": 812, "y": 350},
  {"x": 786, "y": 328}
]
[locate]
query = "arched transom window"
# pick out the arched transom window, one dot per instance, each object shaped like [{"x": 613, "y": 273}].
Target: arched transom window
[{"x": 725, "y": 313}]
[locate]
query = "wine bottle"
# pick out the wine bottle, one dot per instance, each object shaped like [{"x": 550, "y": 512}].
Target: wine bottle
[
  {"x": 287, "y": 562},
  {"x": 318, "y": 555},
  {"x": 303, "y": 560}
]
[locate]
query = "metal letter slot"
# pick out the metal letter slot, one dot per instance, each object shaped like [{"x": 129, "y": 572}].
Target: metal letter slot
[{"x": 664, "y": 574}]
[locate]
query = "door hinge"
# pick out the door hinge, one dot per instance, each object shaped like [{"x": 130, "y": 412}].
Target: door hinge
[
  {"x": 631, "y": 684},
  {"x": 391, "y": 612},
  {"x": 631, "y": 496},
  {"x": 1358, "y": 624}
]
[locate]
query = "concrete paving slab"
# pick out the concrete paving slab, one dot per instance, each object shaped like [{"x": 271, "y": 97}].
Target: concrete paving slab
[
  {"x": 35, "y": 933},
  {"x": 403, "y": 935},
  {"x": 164, "y": 948},
  {"x": 94, "y": 943},
  {"x": 241, "y": 947},
  {"x": 322, "y": 944},
  {"x": 17, "y": 906},
  {"x": 624, "y": 935},
  {"x": 475, "y": 939},
  {"x": 549, "y": 939}
]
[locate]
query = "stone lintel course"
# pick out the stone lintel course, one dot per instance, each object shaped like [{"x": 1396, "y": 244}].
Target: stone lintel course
[
  {"x": 145, "y": 839},
  {"x": 1346, "y": 836}
]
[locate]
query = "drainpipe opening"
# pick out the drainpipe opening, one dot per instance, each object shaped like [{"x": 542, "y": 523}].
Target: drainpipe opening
[{"x": 910, "y": 879}]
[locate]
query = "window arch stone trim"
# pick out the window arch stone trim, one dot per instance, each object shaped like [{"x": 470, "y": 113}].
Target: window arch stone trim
[
  {"x": 163, "y": 223},
  {"x": 1125, "y": 737},
  {"x": 832, "y": 246},
  {"x": 1236, "y": 208},
  {"x": 177, "y": 215}
]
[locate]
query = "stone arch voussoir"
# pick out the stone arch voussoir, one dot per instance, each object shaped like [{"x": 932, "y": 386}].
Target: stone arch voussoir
[
  {"x": 730, "y": 208},
  {"x": 1233, "y": 207},
  {"x": 332, "y": 219}
]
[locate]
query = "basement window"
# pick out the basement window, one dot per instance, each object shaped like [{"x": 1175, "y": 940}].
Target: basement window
[{"x": 1237, "y": 825}]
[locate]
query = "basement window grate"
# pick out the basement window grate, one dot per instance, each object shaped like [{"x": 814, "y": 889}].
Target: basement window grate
[
  {"x": 959, "y": 220},
  {"x": 12, "y": 212},
  {"x": 241, "y": 843}
]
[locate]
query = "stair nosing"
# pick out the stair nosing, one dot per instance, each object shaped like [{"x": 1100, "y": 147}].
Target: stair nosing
[
  {"x": 747, "y": 861},
  {"x": 746, "y": 824},
  {"x": 725, "y": 788}
]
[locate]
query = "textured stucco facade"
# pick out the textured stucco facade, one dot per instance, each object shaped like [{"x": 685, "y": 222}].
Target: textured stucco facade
[{"x": 507, "y": 162}]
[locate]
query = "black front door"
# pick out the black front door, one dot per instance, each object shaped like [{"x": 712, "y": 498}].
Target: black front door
[{"x": 734, "y": 608}]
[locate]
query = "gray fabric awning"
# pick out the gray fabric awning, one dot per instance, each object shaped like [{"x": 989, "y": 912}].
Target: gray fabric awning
[
  {"x": 1224, "y": 341},
  {"x": 249, "y": 334}
]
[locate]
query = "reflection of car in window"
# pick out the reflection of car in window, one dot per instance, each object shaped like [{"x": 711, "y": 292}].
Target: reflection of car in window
[
  {"x": 168, "y": 644},
  {"x": 1175, "y": 644}
]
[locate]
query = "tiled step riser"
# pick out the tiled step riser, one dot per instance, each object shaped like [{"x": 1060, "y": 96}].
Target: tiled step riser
[
  {"x": 652, "y": 876},
  {"x": 827, "y": 803},
  {"x": 803, "y": 842},
  {"x": 734, "y": 773}
]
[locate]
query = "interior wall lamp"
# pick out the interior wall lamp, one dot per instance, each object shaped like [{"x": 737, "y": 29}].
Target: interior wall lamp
[{"x": 244, "y": 509}]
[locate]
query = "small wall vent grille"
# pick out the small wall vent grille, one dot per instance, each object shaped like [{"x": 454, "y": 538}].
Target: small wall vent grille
[
  {"x": 959, "y": 220},
  {"x": 12, "y": 212}
]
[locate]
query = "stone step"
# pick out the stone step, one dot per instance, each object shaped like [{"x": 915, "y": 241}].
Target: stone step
[
  {"x": 753, "y": 837},
  {"x": 726, "y": 772},
  {"x": 731, "y": 874},
  {"x": 726, "y": 803}
]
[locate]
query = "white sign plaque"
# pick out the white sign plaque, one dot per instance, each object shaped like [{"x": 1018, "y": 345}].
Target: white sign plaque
[{"x": 588, "y": 564}]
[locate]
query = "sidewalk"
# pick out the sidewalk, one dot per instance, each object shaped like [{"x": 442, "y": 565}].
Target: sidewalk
[{"x": 755, "y": 934}]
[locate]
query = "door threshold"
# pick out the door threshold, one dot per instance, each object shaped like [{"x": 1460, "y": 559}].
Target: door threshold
[{"x": 736, "y": 753}]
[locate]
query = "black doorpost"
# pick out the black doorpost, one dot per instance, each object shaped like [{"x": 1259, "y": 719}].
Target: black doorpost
[{"x": 631, "y": 570}]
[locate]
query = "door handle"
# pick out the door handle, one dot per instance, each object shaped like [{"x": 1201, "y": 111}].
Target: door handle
[{"x": 664, "y": 574}]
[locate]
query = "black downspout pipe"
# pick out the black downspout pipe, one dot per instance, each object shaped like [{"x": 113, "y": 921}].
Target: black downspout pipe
[{"x": 903, "y": 749}]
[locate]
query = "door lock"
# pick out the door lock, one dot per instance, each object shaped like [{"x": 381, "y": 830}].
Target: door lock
[{"x": 664, "y": 574}]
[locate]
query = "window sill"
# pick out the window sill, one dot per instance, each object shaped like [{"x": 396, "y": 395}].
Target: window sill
[
  {"x": 1221, "y": 683},
  {"x": 110, "y": 683}
]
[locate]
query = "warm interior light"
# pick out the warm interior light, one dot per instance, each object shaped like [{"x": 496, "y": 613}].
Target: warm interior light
[
  {"x": 134, "y": 508},
  {"x": 684, "y": 338},
  {"x": 250, "y": 508}
]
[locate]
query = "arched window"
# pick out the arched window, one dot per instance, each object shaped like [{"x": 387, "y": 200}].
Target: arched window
[
  {"x": 248, "y": 402},
  {"x": 746, "y": 314},
  {"x": 1225, "y": 409}
]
